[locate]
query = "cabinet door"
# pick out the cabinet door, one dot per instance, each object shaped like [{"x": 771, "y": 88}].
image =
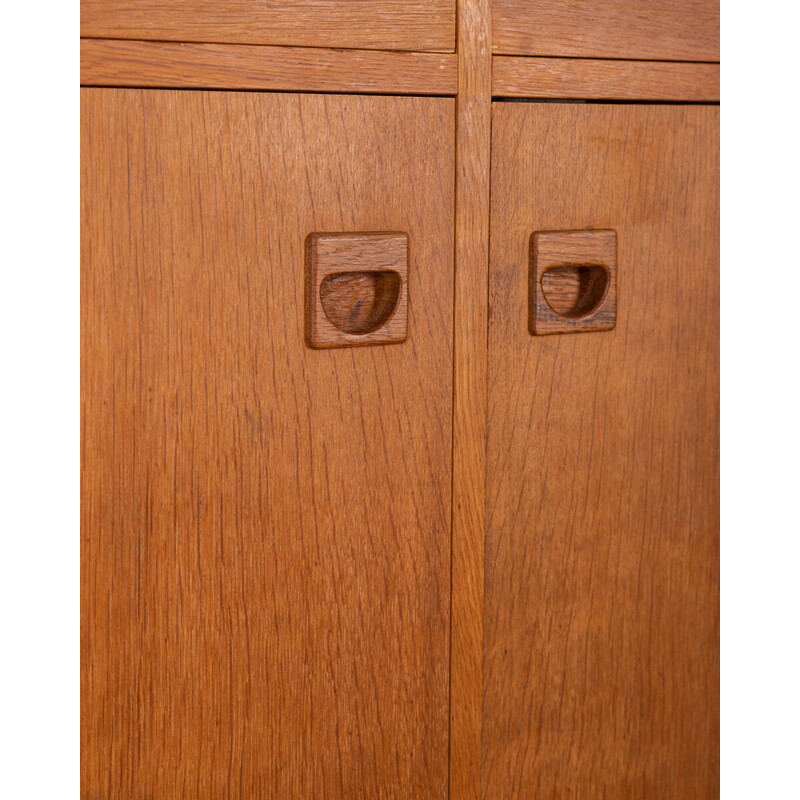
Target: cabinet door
[
  {"x": 265, "y": 527},
  {"x": 601, "y": 663}
]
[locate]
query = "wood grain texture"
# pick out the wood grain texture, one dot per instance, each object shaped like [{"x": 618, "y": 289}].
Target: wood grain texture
[
  {"x": 469, "y": 393},
  {"x": 596, "y": 79},
  {"x": 265, "y": 527},
  {"x": 356, "y": 289},
  {"x": 118, "y": 62},
  {"x": 362, "y": 24},
  {"x": 667, "y": 30},
  {"x": 586, "y": 278},
  {"x": 602, "y": 554}
]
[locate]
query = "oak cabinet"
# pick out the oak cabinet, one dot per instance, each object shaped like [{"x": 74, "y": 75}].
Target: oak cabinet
[{"x": 400, "y": 407}]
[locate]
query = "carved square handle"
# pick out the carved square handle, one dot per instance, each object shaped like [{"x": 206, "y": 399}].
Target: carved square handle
[
  {"x": 356, "y": 289},
  {"x": 573, "y": 281}
]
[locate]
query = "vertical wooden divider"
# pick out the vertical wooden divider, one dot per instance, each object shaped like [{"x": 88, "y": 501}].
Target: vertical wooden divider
[{"x": 473, "y": 141}]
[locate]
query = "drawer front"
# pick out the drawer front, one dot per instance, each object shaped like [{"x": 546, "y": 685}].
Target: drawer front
[
  {"x": 601, "y": 626},
  {"x": 265, "y": 526},
  {"x": 668, "y": 30},
  {"x": 367, "y": 24}
]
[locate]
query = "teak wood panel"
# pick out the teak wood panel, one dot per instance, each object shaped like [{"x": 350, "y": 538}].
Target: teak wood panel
[
  {"x": 174, "y": 65},
  {"x": 596, "y": 79},
  {"x": 473, "y": 161},
  {"x": 366, "y": 24},
  {"x": 667, "y": 30},
  {"x": 601, "y": 665},
  {"x": 265, "y": 527}
]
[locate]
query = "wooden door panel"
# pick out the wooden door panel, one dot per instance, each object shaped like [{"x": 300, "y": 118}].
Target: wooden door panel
[
  {"x": 601, "y": 666},
  {"x": 266, "y": 527},
  {"x": 665, "y": 30},
  {"x": 361, "y": 24}
]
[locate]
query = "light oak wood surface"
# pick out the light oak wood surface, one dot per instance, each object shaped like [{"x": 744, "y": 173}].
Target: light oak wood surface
[
  {"x": 664, "y": 30},
  {"x": 601, "y": 627},
  {"x": 283, "y": 548},
  {"x": 363, "y": 24},
  {"x": 597, "y": 79},
  {"x": 265, "y": 527},
  {"x": 119, "y": 62},
  {"x": 469, "y": 393}
]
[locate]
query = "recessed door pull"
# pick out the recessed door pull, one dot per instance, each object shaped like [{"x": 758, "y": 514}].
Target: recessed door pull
[
  {"x": 356, "y": 289},
  {"x": 573, "y": 281}
]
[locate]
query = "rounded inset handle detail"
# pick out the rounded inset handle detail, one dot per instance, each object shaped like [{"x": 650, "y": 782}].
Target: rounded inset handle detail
[
  {"x": 574, "y": 292},
  {"x": 360, "y": 302}
]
